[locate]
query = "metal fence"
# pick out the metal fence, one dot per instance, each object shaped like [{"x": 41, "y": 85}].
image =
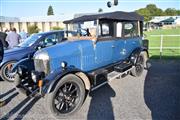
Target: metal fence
[{"x": 165, "y": 42}]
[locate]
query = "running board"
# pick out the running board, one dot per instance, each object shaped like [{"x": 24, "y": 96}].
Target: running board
[{"x": 112, "y": 76}]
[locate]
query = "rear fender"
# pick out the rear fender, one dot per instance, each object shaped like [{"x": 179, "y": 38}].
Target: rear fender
[
  {"x": 144, "y": 49},
  {"x": 134, "y": 55}
]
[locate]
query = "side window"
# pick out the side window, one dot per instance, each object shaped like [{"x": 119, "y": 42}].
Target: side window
[
  {"x": 50, "y": 40},
  {"x": 130, "y": 29},
  {"x": 105, "y": 29}
]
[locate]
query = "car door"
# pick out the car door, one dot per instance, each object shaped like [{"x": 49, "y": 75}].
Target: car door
[
  {"x": 104, "y": 46},
  {"x": 119, "y": 43},
  {"x": 104, "y": 52}
]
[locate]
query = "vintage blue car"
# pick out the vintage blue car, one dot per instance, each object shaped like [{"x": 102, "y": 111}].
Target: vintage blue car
[
  {"x": 64, "y": 73},
  {"x": 26, "y": 48}
]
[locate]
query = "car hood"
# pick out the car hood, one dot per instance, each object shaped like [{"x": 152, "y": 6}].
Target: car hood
[
  {"x": 14, "y": 51},
  {"x": 69, "y": 51}
]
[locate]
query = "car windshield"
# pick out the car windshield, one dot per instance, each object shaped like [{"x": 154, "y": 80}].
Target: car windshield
[
  {"x": 30, "y": 40},
  {"x": 82, "y": 29}
]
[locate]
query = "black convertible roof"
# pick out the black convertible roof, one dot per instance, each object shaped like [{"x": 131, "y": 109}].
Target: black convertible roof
[{"x": 118, "y": 15}]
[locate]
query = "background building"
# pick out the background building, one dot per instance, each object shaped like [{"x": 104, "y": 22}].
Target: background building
[
  {"x": 44, "y": 23},
  {"x": 164, "y": 21}
]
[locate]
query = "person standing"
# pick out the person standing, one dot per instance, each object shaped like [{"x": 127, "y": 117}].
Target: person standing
[
  {"x": 13, "y": 38},
  {"x": 2, "y": 103}
]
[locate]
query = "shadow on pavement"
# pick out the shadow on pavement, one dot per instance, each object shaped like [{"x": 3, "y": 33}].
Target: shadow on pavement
[
  {"x": 162, "y": 90},
  {"x": 98, "y": 109},
  {"x": 7, "y": 93},
  {"x": 1, "y": 79},
  {"x": 11, "y": 97},
  {"x": 15, "y": 109},
  {"x": 25, "y": 110}
]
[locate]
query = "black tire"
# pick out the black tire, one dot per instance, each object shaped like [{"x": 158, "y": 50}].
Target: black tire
[
  {"x": 139, "y": 65},
  {"x": 69, "y": 99},
  {"x": 5, "y": 73}
]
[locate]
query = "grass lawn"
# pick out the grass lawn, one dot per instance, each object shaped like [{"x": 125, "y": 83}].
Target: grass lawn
[{"x": 168, "y": 41}]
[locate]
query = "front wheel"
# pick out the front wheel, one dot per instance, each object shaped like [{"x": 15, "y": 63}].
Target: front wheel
[{"x": 67, "y": 97}]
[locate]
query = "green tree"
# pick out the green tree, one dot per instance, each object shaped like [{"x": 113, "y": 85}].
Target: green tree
[
  {"x": 170, "y": 11},
  {"x": 152, "y": 9},
  {"x": 100, "y": 10},
  {"x": 50, "y": 10},
  {"x": 178, "y": 12},
  {"x": 144, "y": 12},
  {"x": 32, "y": 29},
  {"x": 149, "y": 11}
]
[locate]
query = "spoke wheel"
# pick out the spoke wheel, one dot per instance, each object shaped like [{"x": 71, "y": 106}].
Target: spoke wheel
[
  {"x": 66, "y": 98},
  {"x": 139, "y": 66},
  {"x": 6, "y": 73}
]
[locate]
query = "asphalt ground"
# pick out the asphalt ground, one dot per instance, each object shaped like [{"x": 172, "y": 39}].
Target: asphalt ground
[{"x": 155, "y": 95}]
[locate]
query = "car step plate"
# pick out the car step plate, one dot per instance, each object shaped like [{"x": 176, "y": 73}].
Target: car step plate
[
  {"x": 112, "y": 75},
  {"x": 122, "y": 67}
]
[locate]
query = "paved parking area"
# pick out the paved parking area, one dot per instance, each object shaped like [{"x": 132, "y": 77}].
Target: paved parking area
[{"x": 154, "y": 95}]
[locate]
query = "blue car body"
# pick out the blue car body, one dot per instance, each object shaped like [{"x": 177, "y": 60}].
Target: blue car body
[
  {"x": 87, "y": 57},
  {"x": 66, "y": 72}
]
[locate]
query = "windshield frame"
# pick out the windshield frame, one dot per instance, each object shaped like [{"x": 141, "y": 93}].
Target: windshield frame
[{"x": 80, "y": 28}]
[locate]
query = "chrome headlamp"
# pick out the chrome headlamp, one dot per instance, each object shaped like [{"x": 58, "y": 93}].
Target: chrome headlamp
[{"x": 41, "y": 61}]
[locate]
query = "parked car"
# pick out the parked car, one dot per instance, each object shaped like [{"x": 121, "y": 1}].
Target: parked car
[
  {"x": 66, "y": 72},
  {"x": 27, "y": 48}
]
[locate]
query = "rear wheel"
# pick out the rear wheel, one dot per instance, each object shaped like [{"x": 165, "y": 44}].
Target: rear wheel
[
  {"x": 67, "y": 97},
  {"x": 139, "y": 65},
  {"x": 6, "y": 73}
]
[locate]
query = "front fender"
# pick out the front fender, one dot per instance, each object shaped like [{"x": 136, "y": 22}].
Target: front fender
[
  {"x": 26, "y": 63},
  {"x": 54, "y": 77}
]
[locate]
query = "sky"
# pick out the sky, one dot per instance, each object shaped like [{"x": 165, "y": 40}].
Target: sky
[{"x": 23, "y": 8}]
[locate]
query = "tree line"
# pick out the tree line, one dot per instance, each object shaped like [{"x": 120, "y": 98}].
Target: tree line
[
  {"x": 152, "y": 10},
  {"x": 148, "y": 12}
]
